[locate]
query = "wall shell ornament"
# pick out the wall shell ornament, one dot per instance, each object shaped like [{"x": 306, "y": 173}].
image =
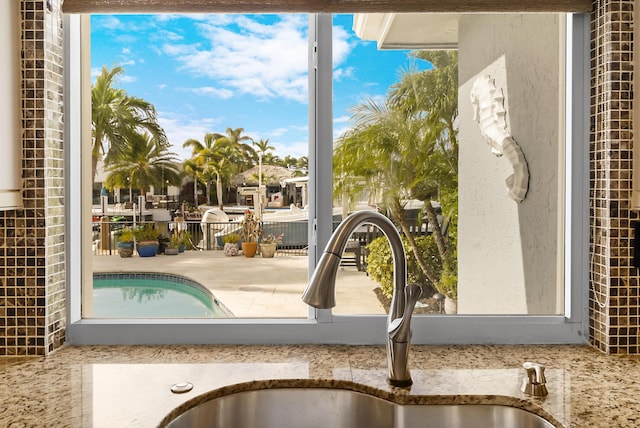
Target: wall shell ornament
[{"x": 489, "y": 112}]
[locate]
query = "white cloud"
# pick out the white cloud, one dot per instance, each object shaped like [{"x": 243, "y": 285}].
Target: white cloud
[
  {"x": 342, "y": 124},
  {"x": 168, "y": 35},
  {"x": 341, "y": 45},
  {"x": 95, "y": 72},
  {"x": 109, "y": 22},
  {"x": 214, "y": 92},
  {"x": 181, "y": 128},
  {"x": 297, "y": 137},
  {"x": 248, "y": 56},
  {"x": 127, "y": 78},
  {"x": 339, "y": 131},
  {"x": 343, "y": 73},
  {"x": 296, "y": 149},
  {"x": 278, "y": 132}
]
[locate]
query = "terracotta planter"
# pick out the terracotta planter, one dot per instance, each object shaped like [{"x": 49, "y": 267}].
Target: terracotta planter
[
  {"x": 249, "y": 249},
  {"x": 268, "y": 250}
]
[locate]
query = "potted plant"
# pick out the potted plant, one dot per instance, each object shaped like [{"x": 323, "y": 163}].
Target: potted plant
[
  {"x": 147, "y": 240},
  {"x": 125, "y": 242},
  {"x": 250, "y": 231},
  {"x": 269, "y": 244},
  {"x": 163, "y": 243},
  {"x": 185, "y": 240},
  {"x": 173, "y": 245},
  {"x": 230, "y": 242}
]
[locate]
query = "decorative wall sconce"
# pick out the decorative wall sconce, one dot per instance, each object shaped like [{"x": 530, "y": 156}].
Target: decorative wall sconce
[{"x": 489, "y": 112}]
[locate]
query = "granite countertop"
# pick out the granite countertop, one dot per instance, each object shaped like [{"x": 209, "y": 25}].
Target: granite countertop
[{"x": 129, "y": 386}]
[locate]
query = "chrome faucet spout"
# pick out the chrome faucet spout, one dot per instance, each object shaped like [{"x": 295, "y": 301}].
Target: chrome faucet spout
[{"x": 320, "y": 292}]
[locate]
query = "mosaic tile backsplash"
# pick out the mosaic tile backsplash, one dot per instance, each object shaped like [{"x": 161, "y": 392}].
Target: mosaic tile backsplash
[
  {"x": 32, "y": 248},
  {"x": 614, "y": 282}
]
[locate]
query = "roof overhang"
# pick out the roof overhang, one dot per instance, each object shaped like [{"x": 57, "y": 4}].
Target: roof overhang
[{"x": 408, "y": 30}]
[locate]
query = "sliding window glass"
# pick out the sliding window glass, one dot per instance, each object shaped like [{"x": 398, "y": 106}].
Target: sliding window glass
[
  {"x": 453, "y": 126},
  {"x": 199, "y": 166}
]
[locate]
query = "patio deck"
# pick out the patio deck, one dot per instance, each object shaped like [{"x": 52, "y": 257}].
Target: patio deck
[{"x": 254, "y": 287}]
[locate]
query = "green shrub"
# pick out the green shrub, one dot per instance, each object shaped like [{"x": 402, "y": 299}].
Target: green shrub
[
  {"x": 148, "y": 232},
  {"x": 185, "y": 238},
  {"x": 125, "y": 235},
  {"x": 175, "y": 241},
  {"x": 231, "y": 238},
  {"x": 448, "y": 283},
  {"x": 380, "y": 262}
]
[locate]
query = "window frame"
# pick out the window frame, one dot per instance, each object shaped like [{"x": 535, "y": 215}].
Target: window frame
[{"x": 322, "y": 327}]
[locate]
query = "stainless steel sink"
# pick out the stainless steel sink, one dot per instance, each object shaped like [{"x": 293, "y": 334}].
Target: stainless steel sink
[{"x": 339, "y": 408}]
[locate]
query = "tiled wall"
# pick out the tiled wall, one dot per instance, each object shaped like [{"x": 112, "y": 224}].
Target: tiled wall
[
  {"x": 32, "y": 257},
  {"x": 615, "y": 283}
]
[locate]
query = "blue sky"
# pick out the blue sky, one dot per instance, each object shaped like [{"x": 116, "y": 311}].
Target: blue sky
[{"x": 207, "y": 73}]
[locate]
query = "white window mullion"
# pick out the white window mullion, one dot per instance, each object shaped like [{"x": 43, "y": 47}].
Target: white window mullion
[{"x": 320, "y": 142}]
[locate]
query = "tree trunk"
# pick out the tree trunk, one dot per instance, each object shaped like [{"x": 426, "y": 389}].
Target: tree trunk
[
  {"x": 208, "y": 190},
  {"x": 94, "y": 167},
  {"x": 96, "y": 152},
  {"x": 219, "y": 191},
  {"x": 195, "y": 191},
  {"x": 431, "y": 276},
  {"x": 397, "y": 212},
  {"x": 437, "y": 232}
]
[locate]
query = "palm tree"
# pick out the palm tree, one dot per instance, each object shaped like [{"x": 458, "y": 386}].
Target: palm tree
[
  {"x": 192, "y": 168},
  {"x": 271, "y": 159},
  {"x": 303, "y": 164},
  {"x": 263, "y": 146},
  {"x": 221, "y": 167},
  {"x": 406, "y": 146},
  {"x": 432, "y": 97},
  {"x": 205, "y": 155},
  {"x": 116, "y": 117},
  {"x": 386, "y": 150},
  {"x": 234, "y": 138},
  {"x": 143, "y": 163}
]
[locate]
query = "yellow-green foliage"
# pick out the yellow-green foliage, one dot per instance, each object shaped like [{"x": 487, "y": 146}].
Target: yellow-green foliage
[
  {"x": 380, "y": 262},
  {"x": 231, "y": 238},
  {"x": 126, "y": 235},
  {"x": 148, "y": 232},
  {"x": 448, "y": 283}
]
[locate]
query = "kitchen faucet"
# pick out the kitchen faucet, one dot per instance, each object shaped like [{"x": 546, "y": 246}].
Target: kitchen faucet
[{"x": 320, "y": 292}]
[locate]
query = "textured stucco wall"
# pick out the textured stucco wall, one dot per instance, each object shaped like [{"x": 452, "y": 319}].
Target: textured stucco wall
[{"x": 508, "y": 251}]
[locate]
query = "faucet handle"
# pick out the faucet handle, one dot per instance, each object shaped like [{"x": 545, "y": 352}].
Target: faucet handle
[
  {"x": 534, "y": 383},
  {"x": 399, "y": 329}
]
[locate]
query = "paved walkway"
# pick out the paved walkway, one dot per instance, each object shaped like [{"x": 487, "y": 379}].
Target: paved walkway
[{"x": 254, "y": 287}]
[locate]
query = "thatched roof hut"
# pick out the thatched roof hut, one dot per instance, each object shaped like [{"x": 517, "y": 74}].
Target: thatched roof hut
[{"x": 272, "y": 176}]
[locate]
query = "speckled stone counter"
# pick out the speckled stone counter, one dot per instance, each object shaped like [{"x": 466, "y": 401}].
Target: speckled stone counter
[{"x": 129, "y": 386}]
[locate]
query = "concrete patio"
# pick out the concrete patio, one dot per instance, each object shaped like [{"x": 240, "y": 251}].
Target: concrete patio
[{"x": 254, "y": 287}]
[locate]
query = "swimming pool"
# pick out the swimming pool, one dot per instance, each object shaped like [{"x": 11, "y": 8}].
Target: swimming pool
[{"x": 153, "y": 295}]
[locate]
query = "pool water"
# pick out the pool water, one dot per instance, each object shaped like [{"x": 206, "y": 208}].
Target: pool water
[{"x": 142, "y": 295}]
